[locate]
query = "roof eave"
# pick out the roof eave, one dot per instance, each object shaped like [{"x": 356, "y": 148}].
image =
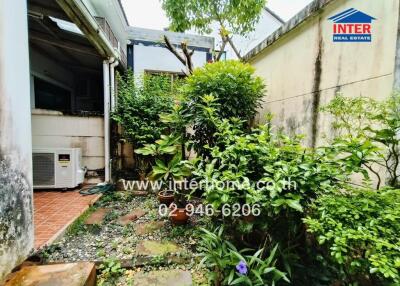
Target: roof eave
[
  {"x": 276, "y": 16},
  {"x": 78, "y": 13}
]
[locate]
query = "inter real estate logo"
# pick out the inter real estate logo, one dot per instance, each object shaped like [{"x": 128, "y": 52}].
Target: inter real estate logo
[{"x": 352, "y": 26}]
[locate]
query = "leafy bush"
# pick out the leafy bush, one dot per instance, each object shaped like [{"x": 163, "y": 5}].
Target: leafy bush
[
  {"x": 275, "y": 172},
  {"x": 361, "y": 232},
  {"x": 232, "y": 267},
  {"x": 140, "y": 102},
  {"x": 368, "y": 130},
  {"x": 270, "y": 170},
  {"x": 236, "y": 90}
]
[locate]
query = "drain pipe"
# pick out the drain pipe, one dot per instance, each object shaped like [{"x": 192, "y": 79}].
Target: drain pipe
[
  {"x": 112, "y": 76},
  {"x": 106, "y": 88},
  {"x": 112, "y": 90}
]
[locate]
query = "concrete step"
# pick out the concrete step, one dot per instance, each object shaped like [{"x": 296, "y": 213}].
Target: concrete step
[
  {"x": 152, "y": 248},
  {"x": 163, "y": 278},
  {"x": 67, "y": 274}
]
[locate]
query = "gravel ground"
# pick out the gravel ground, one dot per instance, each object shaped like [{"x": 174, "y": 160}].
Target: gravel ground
[{"x": 111, "y": 240}]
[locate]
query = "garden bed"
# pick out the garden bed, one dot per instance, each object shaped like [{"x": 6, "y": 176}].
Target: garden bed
[{"x": 146, "y": 244}]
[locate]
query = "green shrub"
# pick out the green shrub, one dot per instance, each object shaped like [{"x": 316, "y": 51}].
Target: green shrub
[
  {"x": 232, "y": 267},
  {"x": 140, "y": 102},
  {"x": 274, "y": 172},
  {"x": 360, "y": 231},
  {"x": 368, "y": 131},
  {"x": 237, "y": 92},
  {"x": 276, "y": 175}
]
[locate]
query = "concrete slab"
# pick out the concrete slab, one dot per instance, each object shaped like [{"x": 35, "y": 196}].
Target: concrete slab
[
  {"x": 148, "y": 227},
  {"x": 157, "y": 248},
  {"x": 69, "y": 274},
  {"x": 163, "y": 278}
]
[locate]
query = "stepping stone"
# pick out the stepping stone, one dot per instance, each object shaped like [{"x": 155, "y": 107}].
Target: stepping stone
[
  {"x": 140, "y": 193},
  {"x": 130, "y": 217},
  {"x": 149, "y": 227},
  {"x": 69, "y": 274},
  {"x": 157, "y": 248},
  {"x": 97, "y": 216},
  {"x": 163, "y": 278}
]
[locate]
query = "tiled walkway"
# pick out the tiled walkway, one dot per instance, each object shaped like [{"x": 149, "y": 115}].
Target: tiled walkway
[{"x": 55, "y": 210}]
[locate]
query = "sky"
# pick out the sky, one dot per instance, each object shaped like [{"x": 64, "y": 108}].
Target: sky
[{"x": 149, "y": 14}]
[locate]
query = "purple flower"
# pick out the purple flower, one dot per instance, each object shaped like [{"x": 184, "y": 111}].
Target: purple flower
[{"x": 242, "y": 268}]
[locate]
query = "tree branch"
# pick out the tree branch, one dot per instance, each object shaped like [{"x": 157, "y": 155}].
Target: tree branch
[
  {"x": 234, "y": 48},
  {"x": 221, "y": 49},
  {"x": 186, "y": 59},
  {"x": 172, "y": 49},
  {"x": 188, "y": 55},
  {"x": 376, "y": 174}
]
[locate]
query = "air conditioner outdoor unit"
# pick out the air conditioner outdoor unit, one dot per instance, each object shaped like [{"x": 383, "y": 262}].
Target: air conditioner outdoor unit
[{"x": 58, "y": 168}]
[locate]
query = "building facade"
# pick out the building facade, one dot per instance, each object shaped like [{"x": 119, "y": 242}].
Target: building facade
[{"x": 147, "y": 51}]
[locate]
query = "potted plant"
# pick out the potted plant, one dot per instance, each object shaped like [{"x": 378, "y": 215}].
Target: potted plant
[
  {"x": 178, "y": 213},
  {"x": 168, "y": 173}
]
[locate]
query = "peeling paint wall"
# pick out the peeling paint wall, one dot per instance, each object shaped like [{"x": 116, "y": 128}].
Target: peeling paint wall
[
  {"x": 16, "y": 219},
  {"x": 304, "y": 69}
]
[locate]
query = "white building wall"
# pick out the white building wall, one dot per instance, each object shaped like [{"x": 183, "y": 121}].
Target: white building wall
[
  {"x": 160, "y": 59},
  {"x": 16, "y": 214},
  {"x": 149, "y": 52},
  {"x": 51, "y": 129}
]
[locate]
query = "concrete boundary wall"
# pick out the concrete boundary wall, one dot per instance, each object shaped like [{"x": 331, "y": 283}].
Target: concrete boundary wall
[{"x": 303, "y": 67}]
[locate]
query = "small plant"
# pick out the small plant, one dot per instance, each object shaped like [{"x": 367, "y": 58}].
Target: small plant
[
  {"x": 169, "y": 165},
  {"x": 78, "y": 225},
  {"x": 178, "y": 231},
  {"x": 158, "y": 260},
  {"x": 47, "y": 251},
  {"x": 232, "y": 267},
  {"x": 110, "y": 271},
  {"x": 110, "y": 216},
  {"x": 101, "y": 252},
  {"x": 127, "y": 250}
]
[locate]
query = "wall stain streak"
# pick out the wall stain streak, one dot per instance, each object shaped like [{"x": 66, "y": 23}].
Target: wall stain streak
[
  {"x": 15, "y": 216},
  {"x": 316, "y": 99}
]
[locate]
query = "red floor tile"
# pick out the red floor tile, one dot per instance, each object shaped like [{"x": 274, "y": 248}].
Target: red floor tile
[{"x": 54, "y": 210}]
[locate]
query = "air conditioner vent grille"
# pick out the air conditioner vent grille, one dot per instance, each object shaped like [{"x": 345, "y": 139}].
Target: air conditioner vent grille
[{"x": 43, "y": 169}]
